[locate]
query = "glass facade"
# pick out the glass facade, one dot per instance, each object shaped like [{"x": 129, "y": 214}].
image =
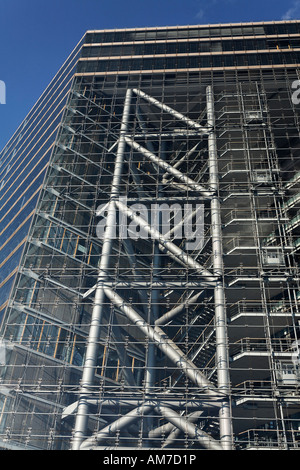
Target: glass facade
[
  {"x": 124, "y": 329},
  {"x": 23, "y": 163}
]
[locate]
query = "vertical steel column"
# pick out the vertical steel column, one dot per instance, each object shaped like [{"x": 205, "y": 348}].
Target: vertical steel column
[
  {"x": 94, "y": 332},
  {"x": 154, "y": 312},
  {"x": 222, "y": 360}
]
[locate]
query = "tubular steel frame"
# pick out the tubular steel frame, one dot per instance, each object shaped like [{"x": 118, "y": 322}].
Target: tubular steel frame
[
  {"x": 212, "y": 395},
  {"x": 124, "y": 343}
]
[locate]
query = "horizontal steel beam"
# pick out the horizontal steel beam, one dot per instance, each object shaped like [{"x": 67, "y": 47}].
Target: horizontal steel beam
[
  {"x": 192, "y": 404},
  {"x": 179, "y": 133},
  {"x": 152, "y": 285}
]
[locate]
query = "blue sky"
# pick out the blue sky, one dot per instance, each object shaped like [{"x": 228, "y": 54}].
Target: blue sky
[{"x": 36, "y": 36}]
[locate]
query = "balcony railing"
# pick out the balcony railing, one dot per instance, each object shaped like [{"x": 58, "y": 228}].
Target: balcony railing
[
  {"x": 266, "y": 438},
  {"x": 252, "y": 388},
  {"x": 238, "y": 214},
  {"x": 277, "y": 345}
]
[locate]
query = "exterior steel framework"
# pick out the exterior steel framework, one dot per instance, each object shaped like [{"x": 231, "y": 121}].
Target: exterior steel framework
[
  {"x": 152, "y": 332},
  {"x": 156, "y": 304}
]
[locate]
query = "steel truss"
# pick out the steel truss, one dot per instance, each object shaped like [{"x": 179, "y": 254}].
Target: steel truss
[{"x": 159, "y": 328}]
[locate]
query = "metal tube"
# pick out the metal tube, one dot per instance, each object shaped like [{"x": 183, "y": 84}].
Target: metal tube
[
  {"x": 169, "y": 168},
  {"x": 175, "y": 133},
  {"x": 169, "y": 427},
  {"x": 117, "y": 425},
  {"x": 184, "y": 157},
  {"x": 222, "y": 360},
  {"x": 171, "y": 111},
  {"x": 153, "y": 314},
  {"x": 195, "y": 403},
  {"x": 174, "y": 249},
  {"x": 175, "y": 432},
  {"x": 182, "y": 423},
  {"x": 157, "y": 432},
  {"x": 183, "y": 221},
  {"x": 176, "y": 310},
  {"x": 94, "y": 331},
  {"x": 166, "y": 345},
  {"x": 152, "y": 284}
]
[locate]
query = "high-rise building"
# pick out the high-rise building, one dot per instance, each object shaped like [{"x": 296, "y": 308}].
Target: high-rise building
[{"x": 150, "y": 228}]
